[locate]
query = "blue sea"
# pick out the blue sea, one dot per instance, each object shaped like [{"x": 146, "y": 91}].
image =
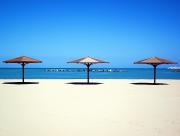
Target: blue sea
[{"x": 77, "y": 73}]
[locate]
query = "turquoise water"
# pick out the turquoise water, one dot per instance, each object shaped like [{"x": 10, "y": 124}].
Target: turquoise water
[{"x": 130, "y": 73}]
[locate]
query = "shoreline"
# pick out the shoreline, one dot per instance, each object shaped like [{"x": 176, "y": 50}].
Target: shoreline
[{"x": 85, "y": 79}]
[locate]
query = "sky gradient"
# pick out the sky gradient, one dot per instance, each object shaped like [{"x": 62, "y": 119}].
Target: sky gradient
[{"x": 118, "y": 31}]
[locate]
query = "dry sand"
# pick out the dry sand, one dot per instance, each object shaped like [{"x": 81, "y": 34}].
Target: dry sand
[{"x": 115, "y": 108}]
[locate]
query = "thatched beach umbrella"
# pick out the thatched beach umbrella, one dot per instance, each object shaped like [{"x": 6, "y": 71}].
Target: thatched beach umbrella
[
  {"x": 23, "y": 60},
  {"x": 88, "y": 61},
  {"x": 155, "y": 61}
]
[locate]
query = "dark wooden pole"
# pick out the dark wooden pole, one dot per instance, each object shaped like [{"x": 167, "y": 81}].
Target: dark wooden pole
[
  {"x": 88, "y": 69},
  {"x": 23, "y": 64},
  {"x": 154, "y": 73}
]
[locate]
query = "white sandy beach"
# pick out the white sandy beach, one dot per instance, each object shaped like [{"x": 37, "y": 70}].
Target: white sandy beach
[{"x": 114, "y": 108}]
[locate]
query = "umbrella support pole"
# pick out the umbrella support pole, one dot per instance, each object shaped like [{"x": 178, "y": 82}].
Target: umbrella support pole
[
  {"x": 154, "y": 73},
  {"x": 23, "y": 65},
  {"x": 88, "y": 70}
]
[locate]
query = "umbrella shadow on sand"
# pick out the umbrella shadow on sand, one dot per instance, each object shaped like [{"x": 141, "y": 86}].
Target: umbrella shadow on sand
[
  {"x": 84, "y": 83},
  {"x": 146, "y": 83},
  {"x": 21, "y": 83}
]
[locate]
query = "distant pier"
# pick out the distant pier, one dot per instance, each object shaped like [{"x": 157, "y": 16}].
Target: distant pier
[{"x": 84, "y": 70}]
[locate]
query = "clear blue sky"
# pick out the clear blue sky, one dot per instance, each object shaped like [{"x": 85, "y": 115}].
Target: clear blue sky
[{"x": 119, "y": 31}]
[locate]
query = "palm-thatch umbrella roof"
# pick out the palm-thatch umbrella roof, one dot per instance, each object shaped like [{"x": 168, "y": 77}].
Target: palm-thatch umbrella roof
[
  {"x": 88, "y": 61},
  {"x": 155, "y": 61},
  {"x": 23, "y": 60}
]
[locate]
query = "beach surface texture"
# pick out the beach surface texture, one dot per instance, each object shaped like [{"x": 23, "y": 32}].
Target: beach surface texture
[{"x": 117, "y": 107}]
